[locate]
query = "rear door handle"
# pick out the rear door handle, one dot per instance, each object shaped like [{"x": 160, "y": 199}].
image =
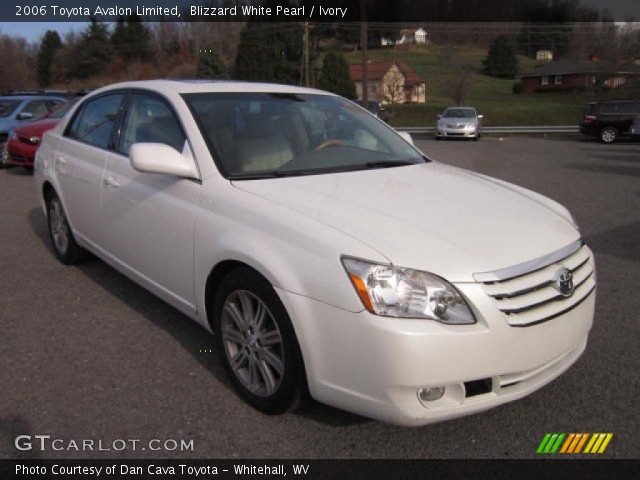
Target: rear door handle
[{"x": 111, "y": 182}]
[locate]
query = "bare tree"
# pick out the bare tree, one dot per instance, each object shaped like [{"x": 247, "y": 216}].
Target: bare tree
[
  {"x": 17, "y": 69},
  {"x": 458, "y": 83},
  {"x": 393, "y": 88}
]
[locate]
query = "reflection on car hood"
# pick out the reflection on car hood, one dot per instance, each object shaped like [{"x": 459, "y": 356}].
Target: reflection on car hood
[{"x": 430, "y": 216}]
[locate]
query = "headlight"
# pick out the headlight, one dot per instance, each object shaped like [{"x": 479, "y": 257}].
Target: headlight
[
  {"x": 470, "y": 126},
  {"x": 402, "y": 292},
  {"x": 34, "y": 140}
]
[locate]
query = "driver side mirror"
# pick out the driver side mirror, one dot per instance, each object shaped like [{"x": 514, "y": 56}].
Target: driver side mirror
[
  {"x": 25, "y": 116},
  {"x": 439, "y": 117},
  {"x": 161, "y": 158},
  {"x": 407, "y": 137},
  {"x": 480, "y": 117}
]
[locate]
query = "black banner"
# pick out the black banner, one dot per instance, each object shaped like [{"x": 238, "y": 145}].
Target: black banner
[
  {"x": 317, "y": 10},
  {"x": 317, "y": 469}
]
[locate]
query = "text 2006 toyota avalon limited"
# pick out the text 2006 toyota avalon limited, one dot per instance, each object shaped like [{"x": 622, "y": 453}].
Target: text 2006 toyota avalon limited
[{"x": 327, "y": 255}]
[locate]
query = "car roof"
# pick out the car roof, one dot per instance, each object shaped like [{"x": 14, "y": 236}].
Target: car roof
[
  {"x": 614, "y": 101},
  {"x": 210, "y": 86},
  {"x": 30, "y": 97}
]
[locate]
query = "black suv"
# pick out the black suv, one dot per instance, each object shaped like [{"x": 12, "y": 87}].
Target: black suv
[{"x": 609, "y": 120}]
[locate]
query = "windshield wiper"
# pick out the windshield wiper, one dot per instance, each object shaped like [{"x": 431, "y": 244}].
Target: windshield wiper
[
  {"x": 320, "y": 171},
  {"x": 388, "y": 163}
]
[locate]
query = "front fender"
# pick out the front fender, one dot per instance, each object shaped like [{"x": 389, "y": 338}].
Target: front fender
[{"x": 292, "y": 251}]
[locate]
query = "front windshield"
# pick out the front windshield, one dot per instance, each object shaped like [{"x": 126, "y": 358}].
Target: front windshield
[
  {"x": 459, "y": 113},
  {"x": 260, "y": 135},
  {"x": 7, "y": 107}
]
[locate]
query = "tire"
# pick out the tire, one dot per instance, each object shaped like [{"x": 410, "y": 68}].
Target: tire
[
  {"x": 438, "y": 138},
  {"x": 4, "y": 155},
  {"x": 608, "y": 135},
  {"x": 270, "y": 377},
  {"x": 476, "y": 138},
  {"x": 64, "y": 243}
]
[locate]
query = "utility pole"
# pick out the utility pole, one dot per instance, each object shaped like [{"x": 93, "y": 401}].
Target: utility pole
[{"x": 363, "y": 51}]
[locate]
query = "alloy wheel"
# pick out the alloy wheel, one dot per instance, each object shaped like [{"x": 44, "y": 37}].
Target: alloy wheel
[
  {"x": 608, "y": 135},
  {"x": 59, "y": 226},
  {"x": 252, "y": 343}
]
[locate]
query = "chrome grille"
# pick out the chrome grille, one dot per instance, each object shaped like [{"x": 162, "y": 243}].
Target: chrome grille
[{"x": 530, "y": 297}]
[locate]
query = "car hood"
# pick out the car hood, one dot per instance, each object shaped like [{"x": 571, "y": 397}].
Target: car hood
[
  {"x": 431, "y": 217},
  {"x": 37, "y": 128}
]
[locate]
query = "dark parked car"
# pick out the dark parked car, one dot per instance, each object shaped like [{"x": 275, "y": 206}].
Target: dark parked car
[
  {"x": 608, "y": 121},
  {"x": 377, "y": 109}
]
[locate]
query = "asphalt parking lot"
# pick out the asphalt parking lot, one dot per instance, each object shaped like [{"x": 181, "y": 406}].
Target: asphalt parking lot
[{"x": 86, "y": 353}]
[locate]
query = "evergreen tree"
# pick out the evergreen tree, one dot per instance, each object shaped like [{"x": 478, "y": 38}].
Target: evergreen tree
[
  {"x": 334, "y": 76},
  {"x": 210, "y": 65},
  {"x": 547, "y": 25},
  {"x": 501, "y": 61},
  {"x": 269, "y": 52},
  {"x": 130, "y": 39},
  {"x": 50, "y": 43},
  {"x": 93, "y": 51}
]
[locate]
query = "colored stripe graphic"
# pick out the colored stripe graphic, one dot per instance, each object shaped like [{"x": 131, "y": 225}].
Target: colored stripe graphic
[
  {"x": 569, "y": 443},
  {"x": 543, "y": 443}
]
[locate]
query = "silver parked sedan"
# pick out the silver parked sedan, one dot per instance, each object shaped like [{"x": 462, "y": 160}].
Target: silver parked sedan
[{"x": 461, "y": 122}]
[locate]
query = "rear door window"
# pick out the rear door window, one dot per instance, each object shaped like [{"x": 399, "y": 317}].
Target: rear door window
[
  {"x": 95, "y": 122},
  {"x": 609, "y": 108}
]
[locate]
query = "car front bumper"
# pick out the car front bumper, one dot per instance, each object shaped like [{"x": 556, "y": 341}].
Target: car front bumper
[
  {"x": 457, "y": 132},
  {"x": 20, "y": 154},
  {"x": 374, "y": 366}
]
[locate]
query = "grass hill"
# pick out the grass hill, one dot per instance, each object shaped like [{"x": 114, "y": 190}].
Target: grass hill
[{"x": 493, "y": 97}]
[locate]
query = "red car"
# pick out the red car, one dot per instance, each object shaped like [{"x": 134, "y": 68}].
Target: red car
[{"x": 24, "y": 140}]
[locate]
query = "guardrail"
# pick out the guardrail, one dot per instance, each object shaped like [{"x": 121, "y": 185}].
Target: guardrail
[{"x": 526, "y": 129}]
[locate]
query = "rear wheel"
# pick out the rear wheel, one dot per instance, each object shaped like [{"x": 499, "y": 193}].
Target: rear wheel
[
  {"x": 608, "y": 135},
  {"x": 257, "y": 343},
  {"x": 4, "y": 155},
  {"x": 64, "y": 243}
]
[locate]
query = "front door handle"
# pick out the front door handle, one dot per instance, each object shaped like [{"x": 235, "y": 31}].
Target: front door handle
[
  {"x": 111, "y": 182},
  {"x": 62, "y": 160}
]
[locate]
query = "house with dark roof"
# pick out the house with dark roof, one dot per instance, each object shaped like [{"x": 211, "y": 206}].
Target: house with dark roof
[
  {"x": 579, "y": 75},
  {"x": 390, "y": 82}
]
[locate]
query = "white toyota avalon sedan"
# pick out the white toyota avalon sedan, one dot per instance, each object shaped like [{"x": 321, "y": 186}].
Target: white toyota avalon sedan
[{"x": 328, "y": 255}]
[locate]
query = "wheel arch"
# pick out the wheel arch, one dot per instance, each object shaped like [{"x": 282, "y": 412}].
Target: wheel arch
[{"x": 217, "y": 273}]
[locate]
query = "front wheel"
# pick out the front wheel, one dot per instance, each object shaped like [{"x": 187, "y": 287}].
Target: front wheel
[
  {"x": 257, "y": 343},
  {"x": 608, "y": 135},
  {"x": 64, "y": 243}
]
